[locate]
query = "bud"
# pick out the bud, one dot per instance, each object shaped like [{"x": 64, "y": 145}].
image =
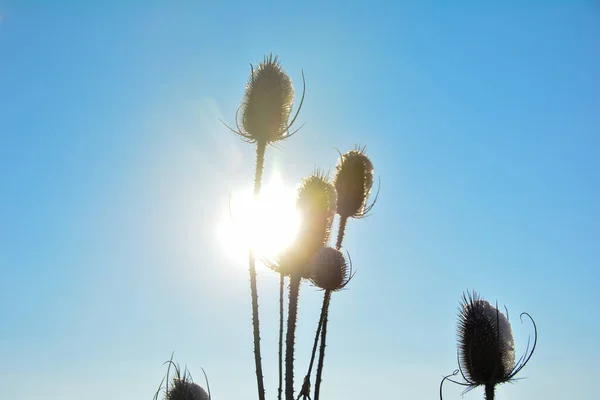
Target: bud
[
  {"x": 329, "y": 270},
  {"x": 267, "y": 102},
  {"x": 353, "y": 181}
]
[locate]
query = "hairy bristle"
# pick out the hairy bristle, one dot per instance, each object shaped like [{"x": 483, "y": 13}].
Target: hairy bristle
[
  {"x": 329, "y": 270},
  {"x": 353, "y": 181},
  {"x": 267, "y": 101},
  {"x": 485, "y": 340}
]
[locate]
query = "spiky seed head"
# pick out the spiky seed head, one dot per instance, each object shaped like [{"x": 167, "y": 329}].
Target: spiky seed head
[
  {"x": 353, "y": 181},
  {"x": 267, "y": 102},
  {"x": 184, "y": 389},
  {"x": 329, "y": 270},
  {"x": 316, "y": 203},
  {"x": 485, "y": 342}
]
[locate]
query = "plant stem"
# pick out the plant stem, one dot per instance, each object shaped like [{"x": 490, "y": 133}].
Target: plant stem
[
  {"x": 341, "y": 232},
  {"x": 281, "y": 279},
  {"x": 325, "y": 312},
  {"x": 260, "y": 160},
  {"x": 489, "y": 392},
  {"x": 314, "y": 350},
  {"x": 290, "y": 336}
]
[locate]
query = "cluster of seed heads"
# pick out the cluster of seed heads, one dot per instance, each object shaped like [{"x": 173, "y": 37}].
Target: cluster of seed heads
[{"x": 486, "y": 350}]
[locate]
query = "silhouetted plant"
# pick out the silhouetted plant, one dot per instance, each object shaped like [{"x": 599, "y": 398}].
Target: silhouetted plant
[
  {"x": 486, "y": 348},
  {"x": 266, "y": 109}
]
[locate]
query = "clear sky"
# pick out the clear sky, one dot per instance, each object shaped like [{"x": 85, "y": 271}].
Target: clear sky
[{"x": 482, "y": 120}]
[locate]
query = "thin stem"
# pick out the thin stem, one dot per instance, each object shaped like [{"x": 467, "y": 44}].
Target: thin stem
[
  {"x": 314, "y": 350},
  {"x": 489, "y": 392},
  {"x": 281, "y": 279},
  {"x": 341, "y": 232},
  {"x": 260, "y": 160},
  {"x": 306, "y": 384},
  {"x": 326, "y": 301},
  {"x": 325, "y": 312},
  {"x": 290, "y": 336}
]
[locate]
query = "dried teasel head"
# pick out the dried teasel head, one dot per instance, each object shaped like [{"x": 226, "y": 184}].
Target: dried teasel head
[
  {"x": 329, "y": 270},
  {"x": 181, "y": 386},
  {"x": 267, "y": 104},
  {"x": 486, "y": 347},
  {"x": 316, "y": 203},
  {"x": 353, "y": 181},
  {"x": 186, "y": 390}
]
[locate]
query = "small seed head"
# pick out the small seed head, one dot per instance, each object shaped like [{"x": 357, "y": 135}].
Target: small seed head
[
  {"x": 184, "y": 389},
  {"x": 267, "y": 102},
  {"x": 329, "y": 270},
  {"x": 485, "y": 342},
  {"x": 353, "y": 181},
  {"x": 316, "y": 203}
]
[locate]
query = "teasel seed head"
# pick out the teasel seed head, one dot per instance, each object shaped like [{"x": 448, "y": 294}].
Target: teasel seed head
[
  {"x": 267, "y": 104},
  {"x": 329, "y": 270},
  {"x": 316, "y": 202},
  {"x": 485, "y": 340},
  {"x": 353, "y": 181},
  {"x": 185, "y": 389},
  {"x": 181, "y": 386},
  {"x": 486, "y": 347}
]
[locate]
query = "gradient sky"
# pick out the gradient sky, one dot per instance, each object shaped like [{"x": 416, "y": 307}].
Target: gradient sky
[{"x": 482, "y": 120}]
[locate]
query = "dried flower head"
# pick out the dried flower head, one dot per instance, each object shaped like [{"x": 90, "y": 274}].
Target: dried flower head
[
  {"x": 329, "y": 270},
  {"x": 486, "y": 347},
  {"x": 181, "y": 386},
  {"x": 353, "y": 181},
  {"x": 185, "y": 389},
  {"x": 267, "y": 104},
  {"x": 316, "y": 203}
]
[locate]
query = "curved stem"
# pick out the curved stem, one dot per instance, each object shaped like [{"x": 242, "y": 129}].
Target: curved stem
[
  {"x": 290, "y": 336},
  {"x": 260, "y": 160},
  {"x": 489, "y": 392},
  {"x": 281, "y": 279}
]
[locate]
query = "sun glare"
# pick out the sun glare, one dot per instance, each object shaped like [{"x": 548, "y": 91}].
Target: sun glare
[{"x": 268, "y": 225}]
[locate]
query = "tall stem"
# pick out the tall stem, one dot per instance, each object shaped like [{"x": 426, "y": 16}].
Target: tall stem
[
  {"x": 281, "y": 280},
  {"x": 489, "y": 392},
  {"x": 260, "y": 161},
  {"x": 325, "y": 311},
  {"x": 290, "y": 336}
]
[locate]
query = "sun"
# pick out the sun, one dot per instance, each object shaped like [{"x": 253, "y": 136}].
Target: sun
[{"x": 268, "y": 224}]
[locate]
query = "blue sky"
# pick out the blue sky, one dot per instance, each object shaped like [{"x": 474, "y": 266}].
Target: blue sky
[{"x": 481, "y": 119}]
